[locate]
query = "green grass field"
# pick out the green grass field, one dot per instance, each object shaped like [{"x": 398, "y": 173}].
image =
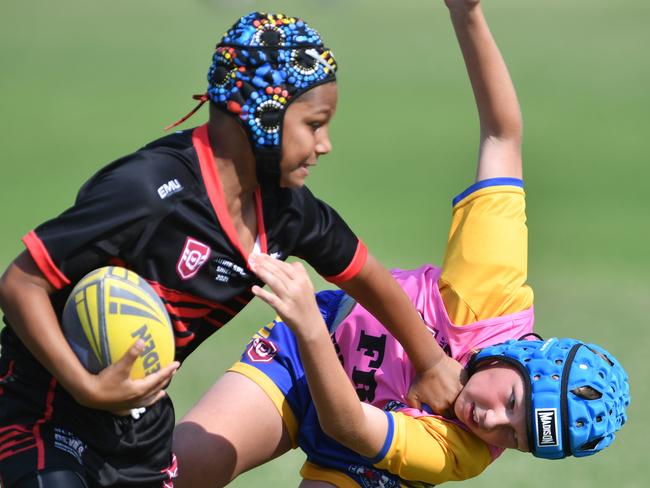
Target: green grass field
[{"x": 84, "y": 82}]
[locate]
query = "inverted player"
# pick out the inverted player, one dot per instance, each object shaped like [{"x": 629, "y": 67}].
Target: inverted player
[
  {"x": 302, "y": 378},
  {"x": 185, "y": 212}
]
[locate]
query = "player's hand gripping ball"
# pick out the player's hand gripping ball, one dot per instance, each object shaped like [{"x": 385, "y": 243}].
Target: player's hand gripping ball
[{"x": 110, "y": 309}]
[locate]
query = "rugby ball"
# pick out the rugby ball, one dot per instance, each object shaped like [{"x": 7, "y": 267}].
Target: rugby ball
[{"x": 110, "y": 309}]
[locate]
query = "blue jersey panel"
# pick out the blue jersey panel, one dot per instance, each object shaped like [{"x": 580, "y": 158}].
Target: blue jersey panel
[{"x": 279, "y": 360}]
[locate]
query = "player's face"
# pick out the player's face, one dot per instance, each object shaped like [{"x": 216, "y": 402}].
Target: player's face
[
  {"x": 306, "y": 133},
  {"x": 492, "y": 405}
]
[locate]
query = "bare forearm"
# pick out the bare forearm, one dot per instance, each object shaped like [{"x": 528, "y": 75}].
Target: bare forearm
[
  {"x": 493, "y": 89},
  {"x": 340, "y": 412},
  {"x": 386, "y": 300},
  {"x": 27, "y": 306},
  {"x": 495, "y": 95},
  {"x": 24, "y": 297}
]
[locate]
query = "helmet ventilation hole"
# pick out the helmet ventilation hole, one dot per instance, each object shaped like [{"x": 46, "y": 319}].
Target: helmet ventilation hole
[
  {"x": 588, "y": 446},
  {"x": 587, "y": 392},
  {"x": 556, "y": 377},
  {"x": 536, "y": 377},
  {"x": 558, "y": 362},
  {"x": 609, "y": 361}
]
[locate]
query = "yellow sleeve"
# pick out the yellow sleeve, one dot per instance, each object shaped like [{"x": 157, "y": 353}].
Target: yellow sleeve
[
  {"x": 485, "y": 267},
  {"x": 432, "y": 450}
]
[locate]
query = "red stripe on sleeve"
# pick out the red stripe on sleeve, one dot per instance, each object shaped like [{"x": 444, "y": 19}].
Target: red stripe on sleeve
[
  {"x": 358, "y": 261},
  {"x": 44, "y": 262}
]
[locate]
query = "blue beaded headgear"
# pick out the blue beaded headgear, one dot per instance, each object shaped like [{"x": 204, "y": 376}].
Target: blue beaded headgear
[
  {"x": 577, "y": 393},
  {"x": 259, "y": 67}
]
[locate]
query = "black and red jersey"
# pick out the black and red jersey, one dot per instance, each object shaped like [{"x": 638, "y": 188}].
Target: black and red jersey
[{"x": 161, "y": 213}]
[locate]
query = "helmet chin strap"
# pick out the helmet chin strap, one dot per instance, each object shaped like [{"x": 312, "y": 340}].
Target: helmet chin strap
[
  {"x": 267, "y": 166},
  {"x": 564, "y": 404},
  {"x": 203, "y": 97}
]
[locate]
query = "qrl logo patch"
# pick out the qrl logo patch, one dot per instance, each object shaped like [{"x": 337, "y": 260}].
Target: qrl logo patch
[
  {"x": 546, "y": 427},
  {"x": 261, "y": 351},
  {"x": 369, "y": 477},
  {"x": 194, "y": 255}
]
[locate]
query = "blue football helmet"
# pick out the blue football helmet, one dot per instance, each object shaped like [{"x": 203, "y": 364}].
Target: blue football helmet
[{"x": 577, "y": 397}]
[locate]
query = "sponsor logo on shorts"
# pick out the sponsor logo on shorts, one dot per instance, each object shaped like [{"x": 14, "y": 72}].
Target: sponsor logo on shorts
[
  {"x": 546, "y": 427},
  {"x": 261, "y": 350},
  {"x": 194, "y": 255},
  {"x": 369, "y": 477},
  {"x": 70, "y": 443}
]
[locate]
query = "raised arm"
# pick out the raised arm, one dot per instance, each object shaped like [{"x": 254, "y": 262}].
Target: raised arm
[
  {"x": 496, "y": 99},
  {"x": 485, "y": 266}
]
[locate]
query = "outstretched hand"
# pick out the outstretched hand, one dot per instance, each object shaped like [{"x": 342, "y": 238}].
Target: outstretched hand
[
  {"x": 114, "y": 390},
  {"x": 291, "y": 291},
  {"x": 438, "y": 387}
]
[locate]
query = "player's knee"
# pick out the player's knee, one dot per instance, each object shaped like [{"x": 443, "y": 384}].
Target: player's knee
[
  {"x": 204, "y": 459},
  {"x": 51, "y": 479}
]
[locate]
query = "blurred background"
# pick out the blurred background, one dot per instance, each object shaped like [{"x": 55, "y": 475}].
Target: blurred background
[{"x": 85, "y": 82}]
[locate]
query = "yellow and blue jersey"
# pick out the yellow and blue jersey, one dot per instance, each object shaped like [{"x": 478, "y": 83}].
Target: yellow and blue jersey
[{"x": 478, "y": 298}]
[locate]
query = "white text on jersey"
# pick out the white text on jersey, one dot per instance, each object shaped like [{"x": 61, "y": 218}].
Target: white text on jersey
[{"x": 169, "y": 188}]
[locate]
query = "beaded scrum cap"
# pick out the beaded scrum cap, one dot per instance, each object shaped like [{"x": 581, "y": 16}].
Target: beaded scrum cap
[
  {"x": 577, "y": 393},
  {"x": 259, "y": 67}
]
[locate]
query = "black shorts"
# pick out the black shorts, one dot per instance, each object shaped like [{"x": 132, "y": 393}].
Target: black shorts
[{"x": 42, "y": 428}]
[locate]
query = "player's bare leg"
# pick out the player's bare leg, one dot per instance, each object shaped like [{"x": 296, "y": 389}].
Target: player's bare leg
[{"x": 233, "y": 428}]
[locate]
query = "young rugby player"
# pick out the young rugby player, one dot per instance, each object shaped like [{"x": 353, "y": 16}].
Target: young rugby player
[
  {"x": 185, "y": 212},
  {"x": 300, "y": 381}
]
